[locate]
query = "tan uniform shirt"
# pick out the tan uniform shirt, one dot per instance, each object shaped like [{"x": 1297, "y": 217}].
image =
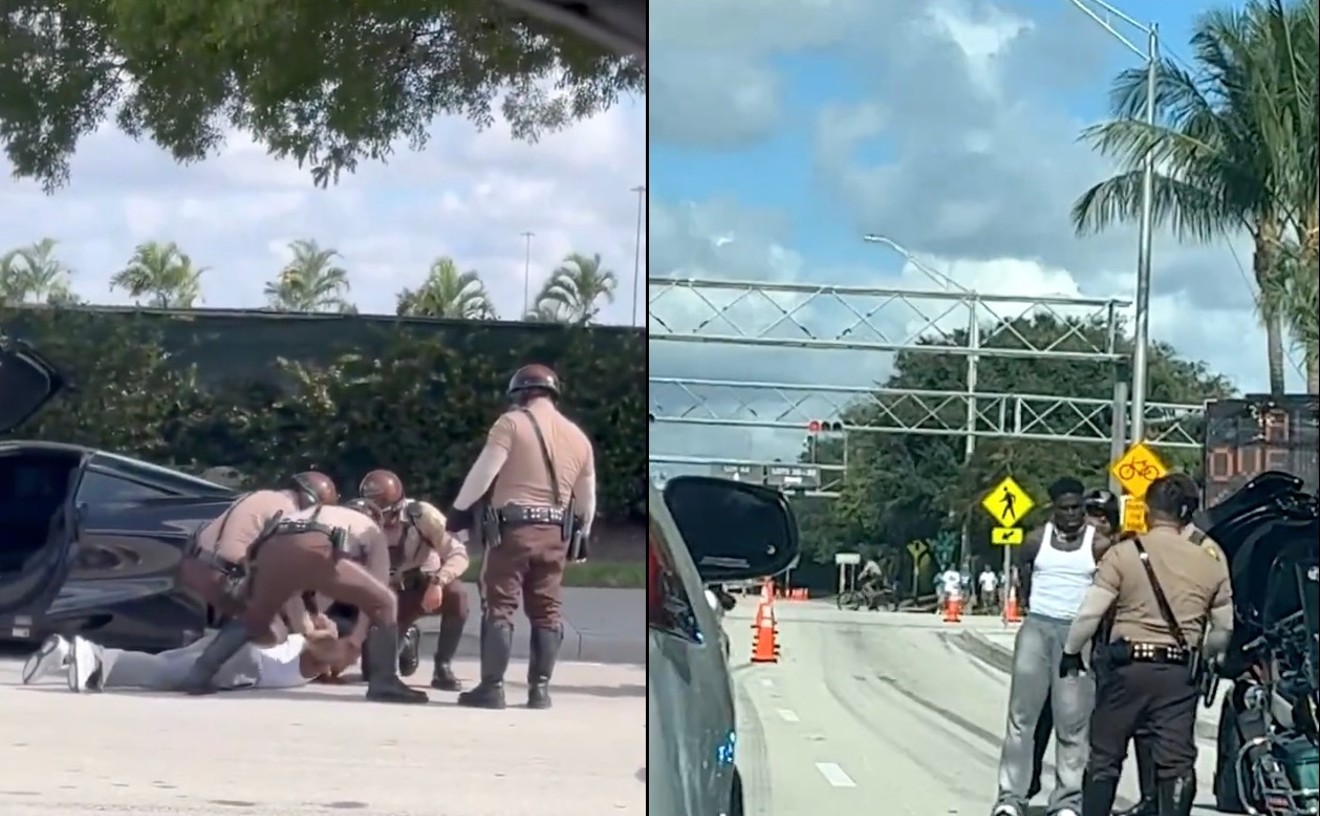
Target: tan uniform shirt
[
  {"x": 1194, "y": 578},
  {"x": 422, "y": 543},
  {"x": 367, "y": 543},
  {"x": 523, "y": 479},
  {"x": 243, "y": 522}
]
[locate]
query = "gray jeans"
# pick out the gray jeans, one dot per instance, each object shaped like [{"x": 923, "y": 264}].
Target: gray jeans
[
  {"x": 1036, "y": 656},
  {"x": 165, "y": 671}
]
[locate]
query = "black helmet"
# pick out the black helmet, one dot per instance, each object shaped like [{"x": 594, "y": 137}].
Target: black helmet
[
  {"x": 1102, "y": 502},
  {"x": 534, "y": 377},
  {"x": 366, "y": 507}
]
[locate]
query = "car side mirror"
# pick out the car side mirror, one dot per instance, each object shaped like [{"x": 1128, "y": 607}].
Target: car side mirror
[{"x": 734, "y": 531}]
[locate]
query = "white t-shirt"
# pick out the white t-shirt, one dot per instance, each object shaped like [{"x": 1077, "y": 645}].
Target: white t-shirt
[
  {"x": 278, "y": 666},
  {"x": 989, "y": 581},
  {"x": 951, "y": 582}
]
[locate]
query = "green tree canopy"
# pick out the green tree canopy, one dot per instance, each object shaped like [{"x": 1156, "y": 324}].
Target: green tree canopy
[
  {"x": 327, "y": 84},
  {"x": 162, "y": 275},
  {"x": 448, "y": 293},
  {"x": 311, "y": 281},
  {"x": 34, "y": 274},
  {"x": 901, "y": 486}
]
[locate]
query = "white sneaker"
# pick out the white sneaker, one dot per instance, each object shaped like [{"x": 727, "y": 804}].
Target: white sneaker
[
  {"x": 53, "y": 656},
  {"x": 84, "y": 666},
  {"x": 1067, "y": 812},
  {"x": 1004, "y": 809}
]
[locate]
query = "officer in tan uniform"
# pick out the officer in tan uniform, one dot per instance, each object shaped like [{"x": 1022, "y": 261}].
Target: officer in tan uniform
[
  {"x": 213, "y": 564},
  {"x": 528, "y": 497},
  {"x": 1150, "y": 657},
  {"x": 426, "y": 562},
  {"x": 327, "y": 550}
]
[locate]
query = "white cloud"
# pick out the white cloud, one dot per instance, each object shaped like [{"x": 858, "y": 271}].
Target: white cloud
[{"x": 468, "y": 195}]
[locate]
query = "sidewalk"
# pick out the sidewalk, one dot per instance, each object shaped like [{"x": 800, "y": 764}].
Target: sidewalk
[
  {"x": 995, "y": 647},
  {"x": 600, "y": 626}
]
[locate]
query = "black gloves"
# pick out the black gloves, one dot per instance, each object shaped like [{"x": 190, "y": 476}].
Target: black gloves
[{"x": 1070, "y": 665}]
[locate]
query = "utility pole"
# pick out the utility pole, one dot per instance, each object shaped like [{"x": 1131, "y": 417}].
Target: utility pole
[
  {"x": 1145, "y": 226},
  {"x": 527, "y": 274},
  {"x": 640, "y": 190}
]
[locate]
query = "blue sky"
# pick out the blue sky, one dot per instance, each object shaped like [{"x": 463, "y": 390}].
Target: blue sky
[
  {"x": 695, "y": 172},
  {"x": 780, "y": 131}
]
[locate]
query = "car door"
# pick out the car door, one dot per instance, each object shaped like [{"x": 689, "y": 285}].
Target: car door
[
  {"x": 28, "y": 593},
  {"x": 691, "y": 727}
]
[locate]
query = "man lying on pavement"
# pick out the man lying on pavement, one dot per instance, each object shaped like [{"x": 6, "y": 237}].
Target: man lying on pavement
[{"x": 90, "y": 667}]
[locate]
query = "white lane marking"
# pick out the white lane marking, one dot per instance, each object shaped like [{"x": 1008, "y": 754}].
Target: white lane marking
[
  {"x": 767, "y": 682},
  {"x": 788, "y": 716},
  {"x": 835, "y": 775}
]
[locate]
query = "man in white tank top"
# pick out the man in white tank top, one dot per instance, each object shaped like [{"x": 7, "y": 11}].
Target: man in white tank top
[{"x": 1057, "y": 564}]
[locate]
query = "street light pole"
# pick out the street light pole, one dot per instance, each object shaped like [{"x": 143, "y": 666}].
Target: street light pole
[
  {"x": 640, "y": 190},
  {"x": 1145, "y": 225},
  {"x": 527, "y": 274}
]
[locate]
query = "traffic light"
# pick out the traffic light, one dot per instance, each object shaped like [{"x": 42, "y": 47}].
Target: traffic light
[{"x": 817, "y": 426}]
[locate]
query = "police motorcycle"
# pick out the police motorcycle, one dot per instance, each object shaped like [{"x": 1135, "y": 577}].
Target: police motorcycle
[{"x": 1268, "y": 759}]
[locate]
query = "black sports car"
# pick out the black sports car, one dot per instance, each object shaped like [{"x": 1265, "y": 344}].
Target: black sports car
[{"x": 90, "y": 540}]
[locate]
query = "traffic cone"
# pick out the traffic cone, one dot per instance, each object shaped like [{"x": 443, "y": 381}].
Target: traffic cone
[
  {"x": 1012, "y": 614},
  {"x": 765, "y": 645},
  {"x": 953, "y": 609}
]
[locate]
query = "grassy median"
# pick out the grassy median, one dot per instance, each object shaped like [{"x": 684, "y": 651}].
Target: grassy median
[{"x": 606, "y": 574}]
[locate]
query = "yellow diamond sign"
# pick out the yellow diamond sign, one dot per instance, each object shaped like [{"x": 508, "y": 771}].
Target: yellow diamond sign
[
  {"x": 1137, "y": 468},
  {"x": 1008, "y": 503}
]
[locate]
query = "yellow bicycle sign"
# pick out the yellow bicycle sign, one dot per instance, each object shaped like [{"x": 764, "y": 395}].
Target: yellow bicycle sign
[{"x": 1137, "y": 468}]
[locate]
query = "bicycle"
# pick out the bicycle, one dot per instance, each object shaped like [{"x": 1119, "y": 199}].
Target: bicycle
[
  {"x": 1139, "y": 469},
  {"x": 851, "y": 599}
]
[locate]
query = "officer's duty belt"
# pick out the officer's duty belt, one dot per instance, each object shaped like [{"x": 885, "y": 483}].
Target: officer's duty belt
[
  {"x": 193, "y": 550},
  {"x": 1158, "y": 653},
  {"x": 522, "y": 514}
]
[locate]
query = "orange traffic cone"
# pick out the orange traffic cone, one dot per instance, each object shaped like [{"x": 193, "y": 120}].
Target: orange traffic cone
[
  {"x": 1012, "y": 614},
  {"x": 953, "y": 609},
  {"x": 765, "y": 645}
]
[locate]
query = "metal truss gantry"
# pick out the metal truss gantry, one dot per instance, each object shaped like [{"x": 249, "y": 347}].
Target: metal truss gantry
[{"x": 892, "y": 320}]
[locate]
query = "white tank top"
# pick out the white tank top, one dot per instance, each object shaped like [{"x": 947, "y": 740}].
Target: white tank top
[{"x": 1060, "y": 578}]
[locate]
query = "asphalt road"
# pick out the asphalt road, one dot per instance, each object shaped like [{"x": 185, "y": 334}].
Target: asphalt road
[
  {"x": 323, "y": 750},
  {"x": 873, "y": 712}
]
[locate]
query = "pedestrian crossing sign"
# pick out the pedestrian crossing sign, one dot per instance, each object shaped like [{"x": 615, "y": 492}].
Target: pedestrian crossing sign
[
  {"x": 1008, "y": 503},
  {"x": 1007, "y": 536}
]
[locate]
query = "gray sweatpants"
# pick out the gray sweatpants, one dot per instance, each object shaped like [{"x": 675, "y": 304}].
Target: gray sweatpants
[
  {"x": 165, "y": 671},
  {"x": 1036, "y": 656}
]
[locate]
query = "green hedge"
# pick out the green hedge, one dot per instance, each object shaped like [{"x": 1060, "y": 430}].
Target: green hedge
[{"x": 270, "y": 394}]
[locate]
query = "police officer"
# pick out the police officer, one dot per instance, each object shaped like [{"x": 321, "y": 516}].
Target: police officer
[
  {"x": 1150, "y": 683},
  {"x": 426, "y": 563},
  {"x": 327, "y": 550},
  {"x": 526, "y": 520},
  {"x": 213, "y": 561}
]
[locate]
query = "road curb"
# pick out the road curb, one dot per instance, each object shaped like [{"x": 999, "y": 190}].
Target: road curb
[
  {"x": 578, "y": 648},
  {"x": 1001, "y": 658}
]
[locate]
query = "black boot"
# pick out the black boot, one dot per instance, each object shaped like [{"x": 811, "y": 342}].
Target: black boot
[
  {"x": 496, "y": 646},
  {"x": 410, "y": 652},
  {"x": 541, "y": 665},
  {"x": 380, "y": 659},
  {"x": 446, "y": 646},
  {"x": 1098, "y": 796},
  {"x": 1146, "y": 807},
  {"x": 232, "y": 636},
  {"x": 1176, "y": 796}
]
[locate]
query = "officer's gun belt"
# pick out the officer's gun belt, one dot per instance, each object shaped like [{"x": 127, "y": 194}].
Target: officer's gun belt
[
  {"x": 194, "y": 551},
  {"x": 517, "y": 514},
  {"x": 1159, "y": 653},
  {"x": 279, "y": 527}
]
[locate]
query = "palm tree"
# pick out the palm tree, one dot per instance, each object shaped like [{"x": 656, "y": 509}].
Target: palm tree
[
  {"x": 310, "y": 281},
  {"x": 162, "y": 275},
  {"x": 446, "y": 292},
  {"x": 571, "y": 293},
  {"x": 1230, "y": 143},
  {"x": 1293, "y": 293},
  {"x": 33, "y": 274}
]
